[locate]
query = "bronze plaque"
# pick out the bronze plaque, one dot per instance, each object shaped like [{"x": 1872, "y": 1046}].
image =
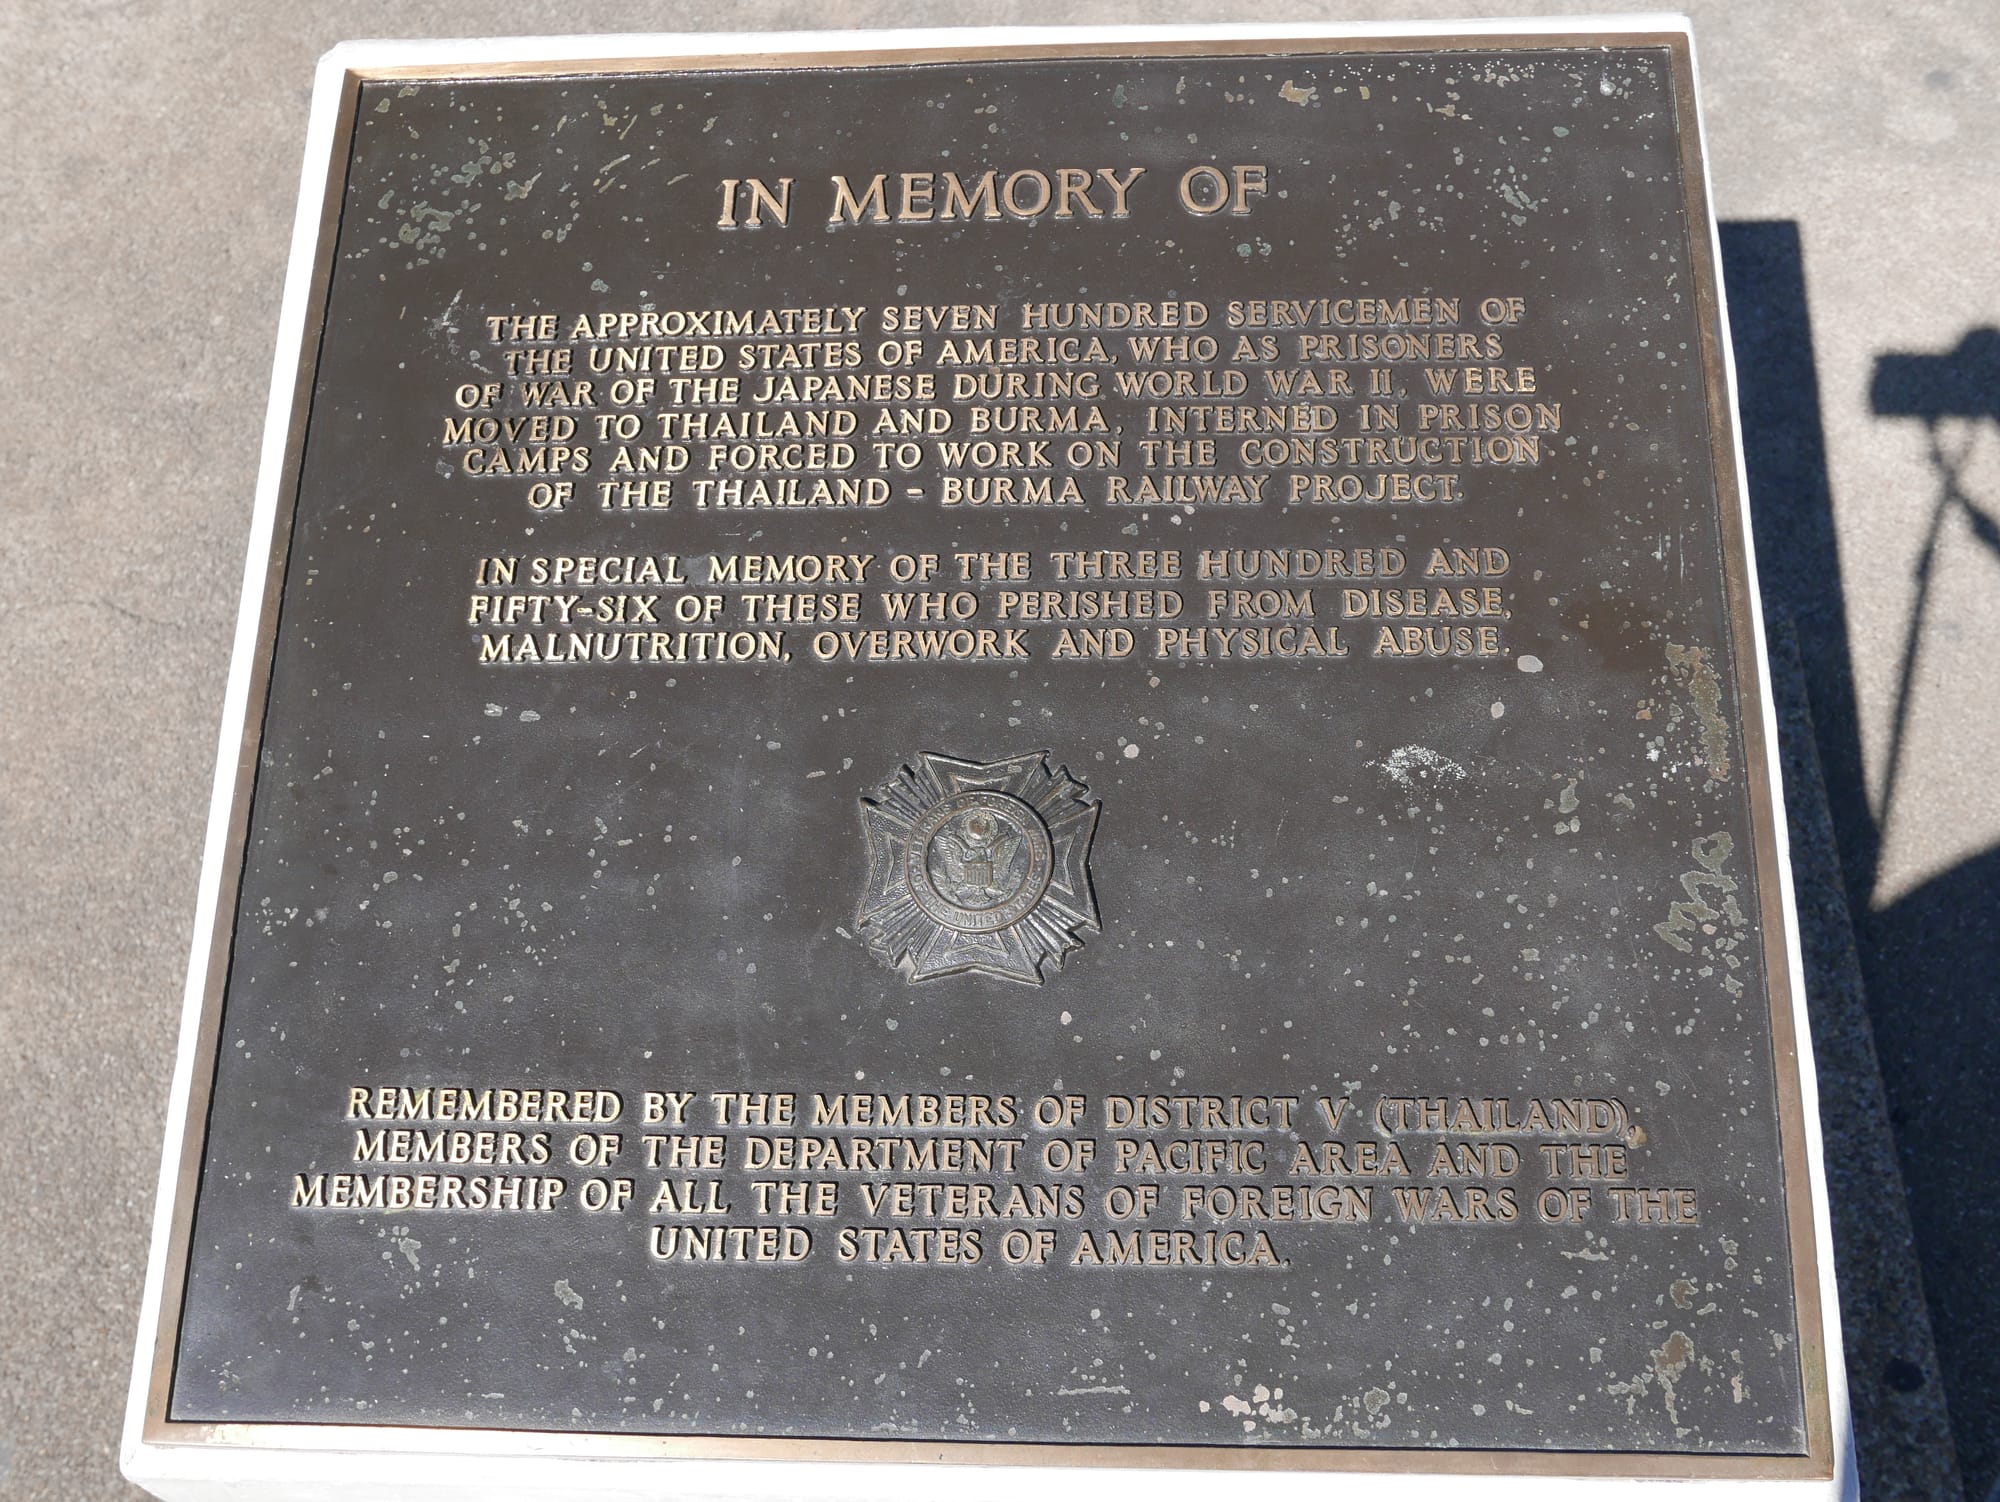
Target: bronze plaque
[{"x": 1055, "y": 748}]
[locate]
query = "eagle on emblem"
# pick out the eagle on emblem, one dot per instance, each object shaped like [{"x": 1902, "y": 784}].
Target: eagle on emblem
[{"x": 976, "y": 864}]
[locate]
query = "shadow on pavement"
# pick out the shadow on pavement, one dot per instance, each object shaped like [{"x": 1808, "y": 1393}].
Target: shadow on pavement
[
  {"x": 1927, "y": 963},
  {"x": 1932, "y": 957}
]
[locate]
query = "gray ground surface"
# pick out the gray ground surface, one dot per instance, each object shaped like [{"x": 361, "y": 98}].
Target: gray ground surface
[{"x": 151, "y": 162}]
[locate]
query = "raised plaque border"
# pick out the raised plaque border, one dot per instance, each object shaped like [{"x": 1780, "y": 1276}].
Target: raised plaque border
[{"x": 209, "y": 1460}]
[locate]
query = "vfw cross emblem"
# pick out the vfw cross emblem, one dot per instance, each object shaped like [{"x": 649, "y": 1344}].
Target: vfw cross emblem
[{"x": 977, "y": 866}]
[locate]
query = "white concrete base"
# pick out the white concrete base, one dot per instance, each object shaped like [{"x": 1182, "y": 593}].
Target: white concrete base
[{"x": 311, "y": 1477}]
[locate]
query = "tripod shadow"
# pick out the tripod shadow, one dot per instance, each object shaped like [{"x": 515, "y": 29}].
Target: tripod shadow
[
  {"x": 1964, "y": 384},
  {"x": 1932, "y": 957},
  {"x": 1929, "y": 960}
]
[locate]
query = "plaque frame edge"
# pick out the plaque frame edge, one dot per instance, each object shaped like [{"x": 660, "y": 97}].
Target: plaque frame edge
[{"x": 161, "y": 1452}]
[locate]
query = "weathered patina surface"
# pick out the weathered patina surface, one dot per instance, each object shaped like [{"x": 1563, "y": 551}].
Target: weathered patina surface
[{"x": 1204, "y": 880}]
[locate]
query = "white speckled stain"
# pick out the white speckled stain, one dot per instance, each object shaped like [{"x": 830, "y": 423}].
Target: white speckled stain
[{"x": 1408, "y": 766}]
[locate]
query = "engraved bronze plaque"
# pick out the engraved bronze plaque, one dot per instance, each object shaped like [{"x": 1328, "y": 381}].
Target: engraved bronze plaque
[{"x": 977, "y": 749}]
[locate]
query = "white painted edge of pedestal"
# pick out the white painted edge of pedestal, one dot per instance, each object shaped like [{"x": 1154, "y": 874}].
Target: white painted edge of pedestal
[
  {"x": 224, "y": 1473},
  {"x": 1845, "y": 1483}
]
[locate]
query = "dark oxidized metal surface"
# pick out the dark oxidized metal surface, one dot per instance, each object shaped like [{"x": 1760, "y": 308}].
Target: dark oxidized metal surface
[{"x": 1292, "y": 1034}]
